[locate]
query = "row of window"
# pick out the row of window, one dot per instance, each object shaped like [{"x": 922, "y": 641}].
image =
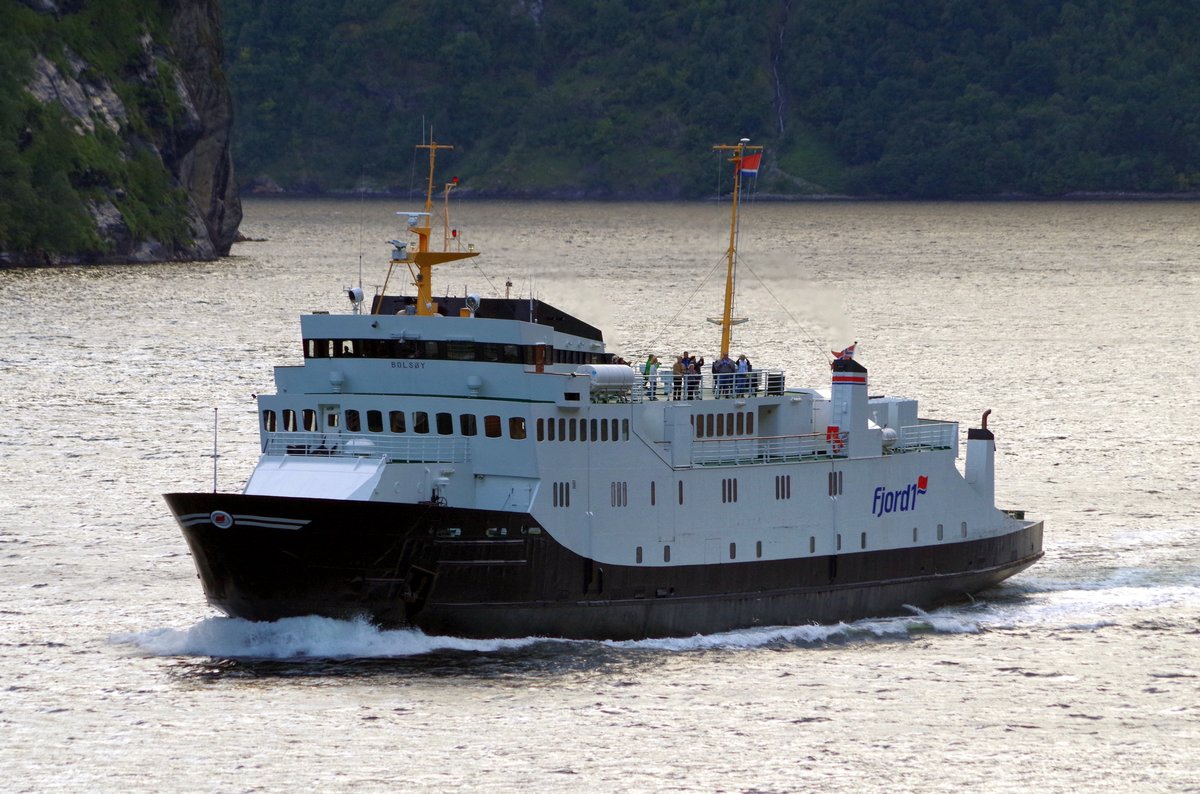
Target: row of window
[
  {"x": 422, "y": 422},
  {"x": 449, "y": 350},
  {"x": 562, "y": 494},
  {"x": 731, "y": 423},
  {"x": 574, "y": 429}
]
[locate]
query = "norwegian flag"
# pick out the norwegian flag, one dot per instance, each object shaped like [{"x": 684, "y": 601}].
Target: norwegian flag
[{"x": 848, "y": 353}]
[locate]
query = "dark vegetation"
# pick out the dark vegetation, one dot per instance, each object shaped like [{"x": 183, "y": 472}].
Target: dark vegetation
[
  {"x": 922, "y": 98},
  {"x": 49, "y": 171}
]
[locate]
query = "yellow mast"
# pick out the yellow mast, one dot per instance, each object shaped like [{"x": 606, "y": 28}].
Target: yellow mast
[
  {"x": 446, "y": 213},
  {"x": 739, "y": 151},
  {"x": 420, "y": 262}
]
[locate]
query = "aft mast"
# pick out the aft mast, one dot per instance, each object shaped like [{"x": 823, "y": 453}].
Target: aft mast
[
  {"x": 745, "y": 157},
  {"x": 420, "y": 262}
]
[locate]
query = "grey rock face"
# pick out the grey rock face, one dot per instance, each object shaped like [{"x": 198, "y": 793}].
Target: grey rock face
[{"x": 192, "y": 141}]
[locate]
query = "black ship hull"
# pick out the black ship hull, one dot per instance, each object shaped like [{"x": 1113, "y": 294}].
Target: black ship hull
[{"x": 479, "y": 573}]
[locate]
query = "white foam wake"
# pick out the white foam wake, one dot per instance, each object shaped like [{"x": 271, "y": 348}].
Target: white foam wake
[
  {"x": 301, "y": 638},
  {"x": 1031, "y": 604}
]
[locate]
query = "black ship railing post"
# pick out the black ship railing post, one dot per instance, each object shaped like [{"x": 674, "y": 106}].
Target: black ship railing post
[{"x": 214, "y": 453}]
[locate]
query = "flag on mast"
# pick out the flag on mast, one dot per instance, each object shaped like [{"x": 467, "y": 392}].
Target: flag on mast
[{"x": 750, "y": 163}]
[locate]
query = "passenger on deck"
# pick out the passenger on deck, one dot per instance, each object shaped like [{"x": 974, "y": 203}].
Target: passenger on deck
[
  {"x": 677, "y": 372},
  {"x": 693, "y": 378},
  {"x": 743, "y": 375},
  {"x": 650, "y": 371},
  {"x": 723, "y": 379}
]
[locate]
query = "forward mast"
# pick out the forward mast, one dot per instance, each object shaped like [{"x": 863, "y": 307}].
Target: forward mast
[
  {"x": 742, "y": 154},
  {"x": 421, "y": 261}
]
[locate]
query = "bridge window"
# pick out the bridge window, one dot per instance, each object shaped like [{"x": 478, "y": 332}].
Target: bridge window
[
  {"x": 445, "y": 423},
  {"x": 492, "y": 426},
  {"x": 460, "y": 351},
  {"x": 516, "y": 427},
  {"x": 268, "y": 421},
  {"x": 375, "y": 421},
  {"x": 467, "y": 425},
  {"x": 289, "y": 420},
  {"x": 396, "y": 421},
  {"x": 310, "y": 420},
  {"x": 420, "y": 422},
  {"x": 353, "y": 422}
]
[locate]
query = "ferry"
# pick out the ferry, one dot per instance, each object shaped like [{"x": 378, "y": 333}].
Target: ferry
[{"x": 486, "y": 467}]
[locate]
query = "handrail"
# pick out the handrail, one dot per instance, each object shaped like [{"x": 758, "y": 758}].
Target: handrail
[
  {"x": 927, "y": 435},
  {"x": 768, "y": 449},
  {"x": 395, "y": 448},
  {"x": 702, "y": 386},
  {"x": 813, "y": 446}
]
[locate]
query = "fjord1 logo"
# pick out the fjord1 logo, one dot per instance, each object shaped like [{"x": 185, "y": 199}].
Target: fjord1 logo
[{"x": 900, "y": 501}]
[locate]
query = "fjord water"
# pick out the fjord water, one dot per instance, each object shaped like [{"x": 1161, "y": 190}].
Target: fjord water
[{"x": 1075, "y": 323}]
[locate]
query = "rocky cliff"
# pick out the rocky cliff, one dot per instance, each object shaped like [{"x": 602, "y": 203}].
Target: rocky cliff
[{"x": 117, "y": 135}]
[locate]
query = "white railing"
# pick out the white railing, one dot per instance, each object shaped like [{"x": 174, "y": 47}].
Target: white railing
[
  {"x": 773, "y": 449},
  {"x": 396, "y": 448},
  {"x": 927, "y": 435},
  {"x": 768, "y": 449},
  {"x": 705, "y": 386}
]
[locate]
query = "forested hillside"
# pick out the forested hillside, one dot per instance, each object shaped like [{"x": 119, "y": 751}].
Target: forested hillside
[
  {"x": 924, "y": 98},
  {"x": 114, "y": 133}
]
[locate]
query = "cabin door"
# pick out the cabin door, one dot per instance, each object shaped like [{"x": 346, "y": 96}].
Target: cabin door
[{"x": 330, "y": 417}]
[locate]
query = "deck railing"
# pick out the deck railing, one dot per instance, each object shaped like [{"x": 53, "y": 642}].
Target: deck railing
[
  {"x": 396, "y": 448},
  {"x": 767, "y": 449},
  {"x": 705, "y": 386},
  {"x": 813, "y": 446},
  {"x": 927, "y": 435}
]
